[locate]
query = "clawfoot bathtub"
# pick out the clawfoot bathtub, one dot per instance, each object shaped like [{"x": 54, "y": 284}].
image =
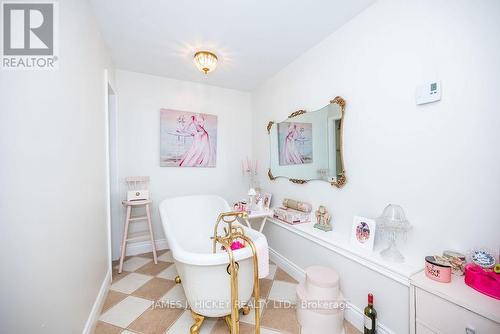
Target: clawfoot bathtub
[{"x": 189, "y": 223}]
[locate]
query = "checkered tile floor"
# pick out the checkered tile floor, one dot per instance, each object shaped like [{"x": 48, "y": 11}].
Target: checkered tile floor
[{"x": 128, "y": 305}]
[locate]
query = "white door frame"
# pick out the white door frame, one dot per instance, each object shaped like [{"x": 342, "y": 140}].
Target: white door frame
[{"x": 108, "y": 83}]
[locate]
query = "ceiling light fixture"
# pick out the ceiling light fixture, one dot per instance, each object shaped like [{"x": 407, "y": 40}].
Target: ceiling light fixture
[{"x": 206, "y": 61}]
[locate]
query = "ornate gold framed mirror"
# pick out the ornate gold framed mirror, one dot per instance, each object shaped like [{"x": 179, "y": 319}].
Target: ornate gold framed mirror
[{"x": 309, "y": 145}]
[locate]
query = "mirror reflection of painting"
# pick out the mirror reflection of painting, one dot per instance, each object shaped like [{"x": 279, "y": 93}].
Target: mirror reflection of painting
[
  {"x": 187, "y": 139},
  {"x": 362, "y": 232},
  {"x": 308, "y": 145},
  {"x": 295, "y": 143}
]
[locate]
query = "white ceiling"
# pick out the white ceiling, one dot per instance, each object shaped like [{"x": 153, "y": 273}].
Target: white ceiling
[{"x": 253, "y": 39}]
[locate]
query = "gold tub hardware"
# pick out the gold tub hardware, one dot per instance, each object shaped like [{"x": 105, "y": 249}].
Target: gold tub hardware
[
  {"x": 229, "y": 218},
  {"x": 177, "y": 280},
  {"x": 227, "y": 319},
  {"x": 232, "y": 233},
  {"x": 198, "y": 320},
  {"x": 245, "y": 310}
]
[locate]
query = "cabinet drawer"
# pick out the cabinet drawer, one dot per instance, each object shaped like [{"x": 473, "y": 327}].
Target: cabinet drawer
[
  {"x": 446, "y": 317},
  {"x": 422, "y": 329}
]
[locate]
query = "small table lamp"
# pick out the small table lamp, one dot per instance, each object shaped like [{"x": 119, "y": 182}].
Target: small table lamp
[{"x": 393, "y": 225}]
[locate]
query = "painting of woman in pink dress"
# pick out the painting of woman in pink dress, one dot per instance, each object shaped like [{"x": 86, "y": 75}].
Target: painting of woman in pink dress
[
  {"x": 295, "y": 143},
  {"x": 188, "y": 139}
]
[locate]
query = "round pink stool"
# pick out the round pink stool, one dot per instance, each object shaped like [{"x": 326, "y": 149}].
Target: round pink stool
[{"x": 320, "y": 307}]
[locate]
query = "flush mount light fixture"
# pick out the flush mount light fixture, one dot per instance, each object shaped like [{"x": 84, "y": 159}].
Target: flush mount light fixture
[{"x": 206, "y": 61}]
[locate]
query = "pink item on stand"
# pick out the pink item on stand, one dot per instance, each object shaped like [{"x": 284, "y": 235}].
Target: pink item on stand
[
  {"x": 236, "y": 245},
  {"x": 240, "y": 206},
  {"x": 486, "y": 282}
]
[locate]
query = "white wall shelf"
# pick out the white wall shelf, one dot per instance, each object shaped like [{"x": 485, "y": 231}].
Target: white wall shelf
[{"x": 340, "y": 244}]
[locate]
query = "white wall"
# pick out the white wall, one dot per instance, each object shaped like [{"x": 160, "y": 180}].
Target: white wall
[
  {"x": 439, "y": 161},
  {"x": 140, "y": 98},
  {"x": 53, "y": 245}
]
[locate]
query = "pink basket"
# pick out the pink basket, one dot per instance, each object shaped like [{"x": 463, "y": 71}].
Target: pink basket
[{"x": 486, "y": 282}]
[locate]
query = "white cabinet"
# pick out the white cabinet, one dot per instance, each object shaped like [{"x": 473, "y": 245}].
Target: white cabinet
[
  {"x": 422, "y": 329},
  {"x": 451, "y": 308},
  {"x": 446, "y": 317}
]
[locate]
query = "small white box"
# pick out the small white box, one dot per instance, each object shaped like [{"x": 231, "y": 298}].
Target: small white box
[{"x": 137, "y": 195}]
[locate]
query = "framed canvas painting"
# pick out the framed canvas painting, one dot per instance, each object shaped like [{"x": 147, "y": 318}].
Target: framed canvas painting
[
  {"x": 363, "y": 232},
  {"x": 295, "y": 143},
  {"x": 187, "y": 139}
]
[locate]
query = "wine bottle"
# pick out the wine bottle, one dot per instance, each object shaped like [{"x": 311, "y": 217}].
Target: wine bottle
[{"x": 370, "y": 317}]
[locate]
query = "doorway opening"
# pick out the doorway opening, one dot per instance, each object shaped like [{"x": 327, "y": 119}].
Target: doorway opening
[{"x": 113, "y": 185}]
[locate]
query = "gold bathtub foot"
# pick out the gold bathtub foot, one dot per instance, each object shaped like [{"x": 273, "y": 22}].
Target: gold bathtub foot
[
  {"x": 245, "y": 310},
  {"x": 177, "y": 280},
  {"x": 198, "y": 320}
]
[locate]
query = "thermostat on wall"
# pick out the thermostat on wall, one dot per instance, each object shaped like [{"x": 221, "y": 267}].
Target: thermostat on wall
[{"x": 428, "y": 92}]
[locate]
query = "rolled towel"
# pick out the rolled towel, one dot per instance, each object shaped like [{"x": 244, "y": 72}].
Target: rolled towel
[
  {"x": 262, "y": 249},
  {"x": 263, "y": 257},
  {"x": 297, "y": 205}
]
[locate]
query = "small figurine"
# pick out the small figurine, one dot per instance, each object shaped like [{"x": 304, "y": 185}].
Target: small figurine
[{"x": 323, "y": 219}]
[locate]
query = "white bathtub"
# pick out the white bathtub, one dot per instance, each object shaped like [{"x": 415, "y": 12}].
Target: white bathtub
[{"x": 189, "y": 223}]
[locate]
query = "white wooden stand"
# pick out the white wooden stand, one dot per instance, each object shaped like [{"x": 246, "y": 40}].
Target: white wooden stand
[
  {"x": 140, "y": 235},
  {"x": 263, "y": 215}
]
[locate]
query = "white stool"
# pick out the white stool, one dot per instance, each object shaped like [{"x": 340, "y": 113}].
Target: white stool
[{"x": 137, "y": 236}]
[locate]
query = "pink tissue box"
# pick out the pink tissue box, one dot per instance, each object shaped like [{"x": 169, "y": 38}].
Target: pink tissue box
[{"x": 291, "y": 216}]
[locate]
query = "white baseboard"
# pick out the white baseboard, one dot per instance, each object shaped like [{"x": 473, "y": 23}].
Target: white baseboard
[
  {"x": 291, "y": 268},
  {"x": 142, "y": 247},
  {"x": 356, "y": 317},
  {"x": 96, "y": 308},
  {"x": 352, "y": 314}
]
